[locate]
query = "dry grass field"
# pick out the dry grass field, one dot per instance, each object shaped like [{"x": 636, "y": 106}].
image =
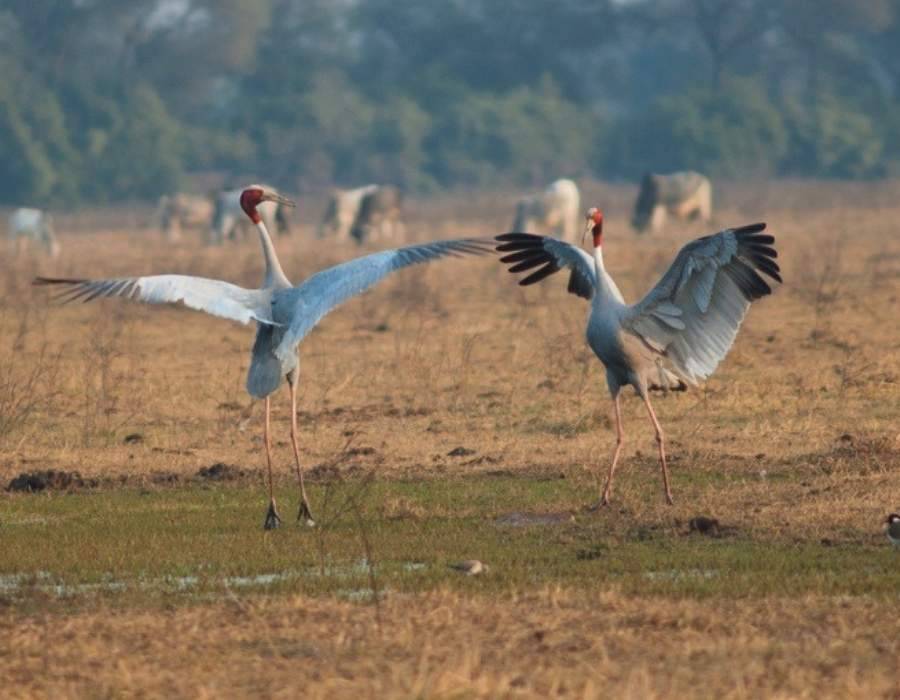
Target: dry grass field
[{"x": 146, "y": 577}]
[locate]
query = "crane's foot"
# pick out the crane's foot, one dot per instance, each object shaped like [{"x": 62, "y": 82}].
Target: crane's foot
[
  {"x": 304, "y": 515},
  {"x": 669, "y": 500},
  {"x": 602, "y": 503},
  {"x": 273, "y": 520}
]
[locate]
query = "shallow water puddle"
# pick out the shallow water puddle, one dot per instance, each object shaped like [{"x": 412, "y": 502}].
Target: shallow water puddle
[
  {"x": 44, "y": 582},
  {"x": 517, "y": 519},
  {"x": 679, "y": 575}
]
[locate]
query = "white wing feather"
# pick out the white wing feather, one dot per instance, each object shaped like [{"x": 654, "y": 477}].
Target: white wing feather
[
  {"x": 214, "y": 297},
  {"x": 694, "y": 312}
]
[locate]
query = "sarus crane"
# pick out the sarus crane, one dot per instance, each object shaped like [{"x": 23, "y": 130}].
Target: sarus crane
[
  {"x": 284, "y": 313},
  {"x": 679, "y": 332}
]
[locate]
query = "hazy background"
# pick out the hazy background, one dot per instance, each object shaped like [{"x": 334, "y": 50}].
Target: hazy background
[{"x": 109, "y": 100}]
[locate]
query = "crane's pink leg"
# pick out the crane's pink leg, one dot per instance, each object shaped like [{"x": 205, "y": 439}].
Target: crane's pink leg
[
  {"x": 305, "y": 513},
  {"x": 273, "y": 520},
  {"x": 620, "y": 438},
  {"x": 662, "y": 449}
]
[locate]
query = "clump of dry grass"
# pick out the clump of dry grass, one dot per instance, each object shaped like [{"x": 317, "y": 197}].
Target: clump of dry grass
[
  {"x": 546, "y": 643},
  {"x": 28, "y": 372}
]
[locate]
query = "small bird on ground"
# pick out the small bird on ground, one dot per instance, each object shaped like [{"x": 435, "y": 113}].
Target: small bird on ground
[
  {"x": 470, "y": 567},
  {"x": 893, "y": 529},
  {"x": 679, "y": 332}
]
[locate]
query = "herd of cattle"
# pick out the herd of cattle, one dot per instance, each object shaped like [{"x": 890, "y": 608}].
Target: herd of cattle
[{"x": 375, "y": 213}]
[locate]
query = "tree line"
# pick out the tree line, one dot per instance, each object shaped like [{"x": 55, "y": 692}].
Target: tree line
[{"x": 108, "y": 100}]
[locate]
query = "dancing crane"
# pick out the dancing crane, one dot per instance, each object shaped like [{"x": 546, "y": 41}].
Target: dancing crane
[
  {"x": 682, "y": 328},
  {"x": 284, "y": 313}
]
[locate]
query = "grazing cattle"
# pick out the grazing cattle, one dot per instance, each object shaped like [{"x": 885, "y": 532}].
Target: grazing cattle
[
  {"x": 556, "y": 210},
  {"x": 343, "y": 206},
  {"x": 180, "y": 210},
  {"x": 684, "y": 195},
  {"x": 228, "y": 220},
  {"x": 378, "y": 217},
  {"x": 31, "y": 225}
]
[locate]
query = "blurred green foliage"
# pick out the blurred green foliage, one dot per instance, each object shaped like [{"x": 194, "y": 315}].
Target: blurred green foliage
[
  {"x": 108, "y": 100},
  {"x": 732, "y": 131}
]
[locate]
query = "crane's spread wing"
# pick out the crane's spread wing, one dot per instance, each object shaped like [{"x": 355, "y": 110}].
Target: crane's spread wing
[
  {"x": 693, "y": 313},
  {"x": 526, "y": 251},
  {"x": 212, "y": 296},
  {"x": 305, "y": 305}
]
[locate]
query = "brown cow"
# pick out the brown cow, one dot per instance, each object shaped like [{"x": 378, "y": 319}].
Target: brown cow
[
  {"x": 684, "y": 195},
  {"x": 378, "y": 217}
]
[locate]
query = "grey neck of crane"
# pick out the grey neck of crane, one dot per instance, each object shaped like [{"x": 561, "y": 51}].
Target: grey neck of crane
[{"x": 275, "y": 276}]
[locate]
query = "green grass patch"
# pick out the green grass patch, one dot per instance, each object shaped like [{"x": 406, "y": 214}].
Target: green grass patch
[{"x": 201, "y": 541}]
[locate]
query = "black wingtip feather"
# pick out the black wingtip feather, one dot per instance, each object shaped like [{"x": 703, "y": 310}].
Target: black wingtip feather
[
  {"x": 517, "y": 236},
  {"x": 532, "y": 262},
  {"x": 519, "y": 241},
  {"x": 542, "y": 273},
  {"x": 756, "y": 250},
  {"x": 763, "y": 250},
  {"x": 45, "y": 281},
  {"x": 759, "y": 239},
  {"x": 517, "y": 245},
  {"x": 750, "y": 229},
  {"x": 752, "y": 286},
  {"x": 769, "y": 268},
  {"x": 525, "y": 251},
  {"x": 516, "y": 257}
]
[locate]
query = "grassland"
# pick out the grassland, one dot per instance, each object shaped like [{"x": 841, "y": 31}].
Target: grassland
[{"x": 151, "y": 579}]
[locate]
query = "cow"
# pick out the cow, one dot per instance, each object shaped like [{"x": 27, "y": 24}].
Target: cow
[
  {"x": 181, "y": 210},
  {"x": 556, "y": 210},
  {"x": 31, "y": 225},
  {"x": 684, "y": 195},
  {"x": 343, "y": 206},
  {"x": 229, "y": 221},
  {"x": 378, "y": 217}
]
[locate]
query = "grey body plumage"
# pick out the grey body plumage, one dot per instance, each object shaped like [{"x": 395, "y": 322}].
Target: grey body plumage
[{"x": 265, "y": 374}]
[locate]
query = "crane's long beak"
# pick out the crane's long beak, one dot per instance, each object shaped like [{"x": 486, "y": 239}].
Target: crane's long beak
[
  {"x": 587, "y": 227},
  {"x": 281, "y": 199}
]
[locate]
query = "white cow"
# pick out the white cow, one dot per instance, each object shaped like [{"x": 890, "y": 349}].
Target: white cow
[
  {"x": 556, "y": 210},
  {"x": 31, "y": 225},
  {"x": 229, "y": 219},
  {"x": 340, "y": 214}
]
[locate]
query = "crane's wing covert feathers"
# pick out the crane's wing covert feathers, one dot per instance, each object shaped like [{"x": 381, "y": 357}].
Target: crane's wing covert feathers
[
  {"x": 212, "y": 296},
  {"x": 693, "y": 313},
  {"x": 303, "y": 306},
  {"x": 526, "y": 251}
]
